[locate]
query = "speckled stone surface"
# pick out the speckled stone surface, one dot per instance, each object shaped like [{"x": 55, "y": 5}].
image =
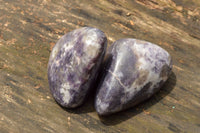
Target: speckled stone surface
[
  {"x": 74, "y": 63},
  {"x": 134, "y": 71}
]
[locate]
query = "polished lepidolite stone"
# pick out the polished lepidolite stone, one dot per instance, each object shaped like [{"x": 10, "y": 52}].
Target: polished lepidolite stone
[
  {"x": 74, "y": 63},
  {"x": 134, "y": 71}
]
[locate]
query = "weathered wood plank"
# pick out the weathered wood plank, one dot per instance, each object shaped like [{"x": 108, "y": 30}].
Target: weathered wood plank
[{"x": 29, "y": 29}]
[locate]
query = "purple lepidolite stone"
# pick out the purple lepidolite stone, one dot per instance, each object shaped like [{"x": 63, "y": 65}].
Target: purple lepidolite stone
[
  {"x": 134, "y": 71},
  {"x": 74, "y": 64}
]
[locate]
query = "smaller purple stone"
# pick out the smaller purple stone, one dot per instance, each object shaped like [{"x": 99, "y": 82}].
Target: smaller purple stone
[
  {"x": 74, "y": 64},
  {"x": 135, "y": 71}
]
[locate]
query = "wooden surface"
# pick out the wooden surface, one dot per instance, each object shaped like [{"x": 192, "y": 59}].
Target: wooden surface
[{"x": 29, "y": 29}]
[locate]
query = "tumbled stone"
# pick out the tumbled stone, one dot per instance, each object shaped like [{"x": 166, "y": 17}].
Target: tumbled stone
[
  {"x": 74, "y": 64},
  {"x": 134, "y": 71}
]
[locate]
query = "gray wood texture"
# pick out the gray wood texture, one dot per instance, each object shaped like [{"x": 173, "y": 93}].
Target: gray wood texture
[{"x": 30, "y": 28}]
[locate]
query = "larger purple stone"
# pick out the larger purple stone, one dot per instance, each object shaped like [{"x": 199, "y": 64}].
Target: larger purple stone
[
  {"x": 74, "y": 63},
  {"x": 134, "y": 71}
]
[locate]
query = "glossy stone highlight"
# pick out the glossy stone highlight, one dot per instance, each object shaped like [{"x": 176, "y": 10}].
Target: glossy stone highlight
[
  {"x": 74, "y": 64},
  {"x": 134, "y": 71}
]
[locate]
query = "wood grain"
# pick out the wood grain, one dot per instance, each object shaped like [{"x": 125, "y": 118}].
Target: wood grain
[{"x": 29, "y": 29}]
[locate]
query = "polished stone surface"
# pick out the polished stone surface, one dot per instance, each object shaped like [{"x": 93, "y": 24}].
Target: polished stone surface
[
  {"x": 74, "y": 64},
  {"x": 134, "y": 71}
]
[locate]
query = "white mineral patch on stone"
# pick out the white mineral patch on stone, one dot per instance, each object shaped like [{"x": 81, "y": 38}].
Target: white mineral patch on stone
[
  {"x": 144, "y": 65},
  {"x": 68, "y": 46},
  {"x": 102, "y": 105},
  {"x": 64, "y": 90},
  {"x": 92, "y": 46}
]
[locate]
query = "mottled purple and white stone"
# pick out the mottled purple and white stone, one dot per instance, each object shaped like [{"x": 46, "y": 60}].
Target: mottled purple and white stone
[
  {"x": 134, "y": 71},
  {"x": 74, "y": 64}
]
